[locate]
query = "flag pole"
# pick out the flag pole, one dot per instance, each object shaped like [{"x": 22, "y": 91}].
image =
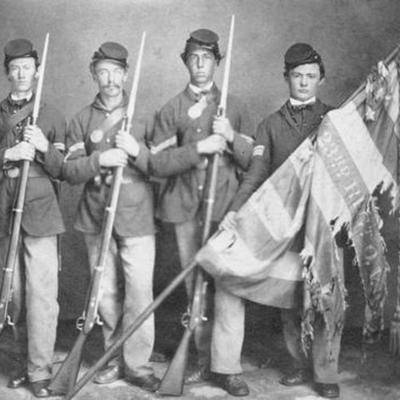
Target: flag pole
[{"x": 359, "y": 90}]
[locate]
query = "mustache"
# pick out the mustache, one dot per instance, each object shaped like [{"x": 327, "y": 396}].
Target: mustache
[{"x": 111, "y": 85}]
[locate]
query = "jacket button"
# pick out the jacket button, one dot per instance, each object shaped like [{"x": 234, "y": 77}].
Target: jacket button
[
  {"x": 108, "y": 140},
  {"x": 198, "y": 130}
]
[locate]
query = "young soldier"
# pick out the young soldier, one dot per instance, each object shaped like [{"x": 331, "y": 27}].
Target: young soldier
[
  {"x": 42, "y": 144},
  {"x": 186, "y": 133},
  {"x": 95, "y": 146},
  {"x": 277, "y": 137}
]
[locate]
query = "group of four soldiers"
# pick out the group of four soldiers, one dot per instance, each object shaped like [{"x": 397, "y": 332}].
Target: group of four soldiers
[{"x": 186, "y": 132}]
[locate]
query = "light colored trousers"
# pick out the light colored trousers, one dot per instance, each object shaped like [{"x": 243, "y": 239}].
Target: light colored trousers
[
  {"x": 35, "y": 285},
  {"x": 188, "y": 237},
  {"x": 126, "y": 290},
  {"x": 228, "y": 336}
]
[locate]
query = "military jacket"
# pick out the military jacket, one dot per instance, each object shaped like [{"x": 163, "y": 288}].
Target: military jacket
[
  {"x": 178, "y": 127},
  {"x": 277, "y": 137},
  {"x": 41, "y": 214},
  {"x": 85, "y": 141}
]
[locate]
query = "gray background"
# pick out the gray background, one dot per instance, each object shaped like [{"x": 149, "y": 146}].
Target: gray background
[{"x": 351, "y": 36}]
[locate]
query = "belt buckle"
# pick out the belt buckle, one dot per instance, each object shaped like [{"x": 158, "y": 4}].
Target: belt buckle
[
  {"x": 203, "y": 164},
  {"x": 12, "y": 172}
]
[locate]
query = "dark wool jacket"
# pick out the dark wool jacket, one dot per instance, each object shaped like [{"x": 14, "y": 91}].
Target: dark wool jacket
[
  {"x": 41, "y": 214},
  {"x": 85, "y": 141},
  {"x": 278, "y": 136},
  {"x": 174, "y": 155}
]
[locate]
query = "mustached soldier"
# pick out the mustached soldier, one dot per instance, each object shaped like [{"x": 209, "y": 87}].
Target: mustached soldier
[{"x": 95, "y": 145}]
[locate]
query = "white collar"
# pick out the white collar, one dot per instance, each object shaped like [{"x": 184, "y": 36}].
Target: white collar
[
  {"x": 197, "y": 90},
  {"x": 27, "y": 97},
  {"x": 295, "y": 102}
]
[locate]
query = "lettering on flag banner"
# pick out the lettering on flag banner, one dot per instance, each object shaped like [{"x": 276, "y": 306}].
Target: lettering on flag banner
[
  {"x": 307, "y": 204},
  {"x": 255, "y": 260},
  {"x": 344, "y": 179}
]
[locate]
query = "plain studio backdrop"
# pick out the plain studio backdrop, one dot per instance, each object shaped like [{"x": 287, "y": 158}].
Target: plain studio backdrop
[{"x": 350, "y": 35}]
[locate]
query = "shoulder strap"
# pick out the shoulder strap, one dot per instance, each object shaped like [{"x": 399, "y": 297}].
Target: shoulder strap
[
  {"x": 109, "y": 122},
  {"x": 14, "y": 119}
]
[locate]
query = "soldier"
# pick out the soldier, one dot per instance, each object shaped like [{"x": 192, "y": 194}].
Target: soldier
[
  {"x": 186, "y": 133},
  {"x": 37, "y": 267},
  {"x": 95, "y": 146},
  {"x": 277, "y": 137}
]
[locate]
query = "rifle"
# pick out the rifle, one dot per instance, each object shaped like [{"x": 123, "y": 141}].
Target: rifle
[
  {"x": 66, "y": 376},
  {"x": 173, "y": 380},
  {"x": 130, "y": 330},
  {"x": 13, "y": 245}
]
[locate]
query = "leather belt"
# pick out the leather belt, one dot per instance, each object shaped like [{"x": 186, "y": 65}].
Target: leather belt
[
  {"x": 223, "y": 161},
  {"x": 35, "y": 171}
]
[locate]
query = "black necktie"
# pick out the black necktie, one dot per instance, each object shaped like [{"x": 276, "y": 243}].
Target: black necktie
[{"x": 302, "y": 107}]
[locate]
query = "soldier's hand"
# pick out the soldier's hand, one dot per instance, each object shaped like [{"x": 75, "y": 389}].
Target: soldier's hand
[
  {"x": 222, "y": 126},
  {"x": 21, "y": 151},
  {"x": 33, "y": 134},
  {"x": 229, "y": 221},
  {"x": 128, "y": 143},
  {"x": 113, "y": 158},
  {"x": 211, "y": 144}
]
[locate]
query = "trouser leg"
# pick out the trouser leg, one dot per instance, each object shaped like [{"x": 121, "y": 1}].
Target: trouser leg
[
  {"x": 137, "y": 258},
  {"x": 325, "y": 363},
  {"x": 111, "y": 291},
  {"x": 227, "y": 333},
  {"x": 17, "y": 300},
  {"x": 41, "y": 273},
  {"x": 291, "y": 324},
  {"x": 188, "y": 238}
]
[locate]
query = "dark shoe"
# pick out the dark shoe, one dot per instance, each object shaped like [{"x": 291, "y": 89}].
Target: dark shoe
[
  {"x": 233, "y": 384},
  {"x": 199, "y": 375},
  {"x": 328, "y": 390},
  {"x": 298, "y": 377},
  {"x": 19, "y": 380},
  {"x": 40, "y": 388},
  {"x": 108, "y": 375},
  {"x": 148, "y": 382}
]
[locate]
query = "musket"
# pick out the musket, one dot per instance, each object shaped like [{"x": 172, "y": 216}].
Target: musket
[
  {"x": 128, "y": 332},
  {"x": 13, "y": 245},
  {"x": 66, "y": 376},
  {"x": 173, "y": 380}
]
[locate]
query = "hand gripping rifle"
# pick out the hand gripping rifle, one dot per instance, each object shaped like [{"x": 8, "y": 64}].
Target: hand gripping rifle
[
  {"x": 173, "y": 380},
  {"x": 66, "y": 376},
  {"x": 177, "y": 280},
  {"x": 13, "y": 246}
]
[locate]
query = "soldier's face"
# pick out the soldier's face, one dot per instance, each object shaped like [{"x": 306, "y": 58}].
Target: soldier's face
[
  {"x": 22, "y": 73},
  {"x": 304, "y": 81},
  {"x": 201, "y": 64},
  {"x": 110, "y": 78}
]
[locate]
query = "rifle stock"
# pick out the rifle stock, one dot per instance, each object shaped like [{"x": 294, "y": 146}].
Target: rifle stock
[
  {"x": 66, "y": 376},
  {"x": 173, "y": 380},
  {"x": 13, "y": 246},
  {"x": 130, "y": 330}
]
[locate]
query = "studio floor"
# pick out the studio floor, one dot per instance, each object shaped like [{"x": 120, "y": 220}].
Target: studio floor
[{"x": 365, "y": 374}]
